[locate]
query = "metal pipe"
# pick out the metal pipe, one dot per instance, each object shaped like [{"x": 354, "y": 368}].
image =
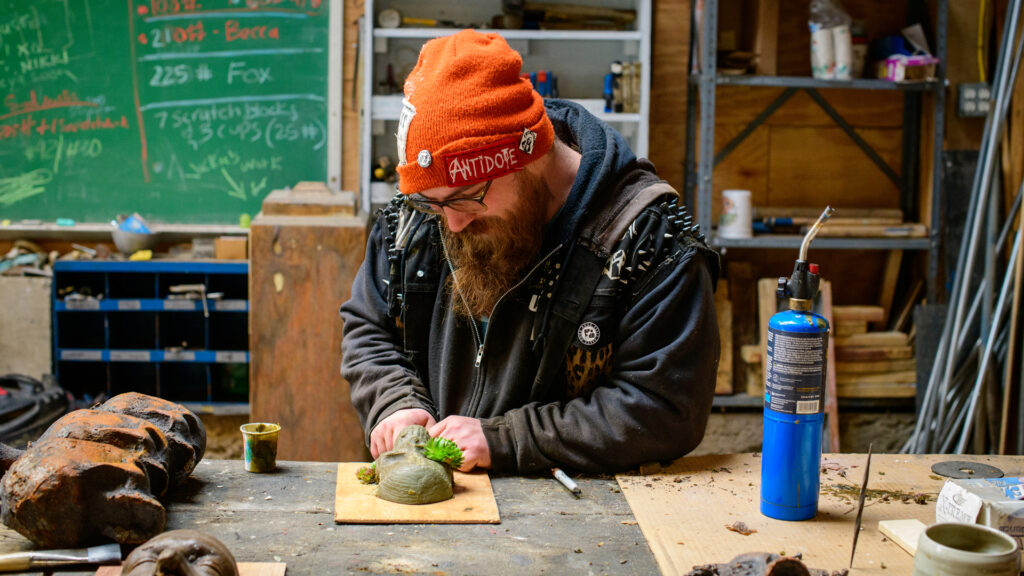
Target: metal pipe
[{"x": 996, "y": 322}]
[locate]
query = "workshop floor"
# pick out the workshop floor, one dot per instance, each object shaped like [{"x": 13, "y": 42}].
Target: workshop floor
[{"x": 730, "y": 433}]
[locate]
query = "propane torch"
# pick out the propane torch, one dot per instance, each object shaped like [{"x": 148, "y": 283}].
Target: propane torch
[{"x": 794, "y": 396}]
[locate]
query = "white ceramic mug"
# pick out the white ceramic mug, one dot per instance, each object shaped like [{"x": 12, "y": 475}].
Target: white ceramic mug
[
  {"x": 954, "y": 549},
  {"x": 735, "y": 221}
]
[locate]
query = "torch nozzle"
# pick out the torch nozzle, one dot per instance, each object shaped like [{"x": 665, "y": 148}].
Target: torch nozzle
[{"x": 806, "y": 244}]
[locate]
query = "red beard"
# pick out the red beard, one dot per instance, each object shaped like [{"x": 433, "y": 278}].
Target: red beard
[{"x": 491, "y": 254}]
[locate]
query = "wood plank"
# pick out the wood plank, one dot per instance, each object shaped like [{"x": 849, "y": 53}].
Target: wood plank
[
  {"x": 874, "y": 354},
  {"x": 766, "y": 307},
  {"x": 856, "y": 378},
  {"x": 831, "y": 404},
  {"x": 743, "y": 294},
  {"x": 670, "y": 57},
  {"x": 839, "y": 170},
  {"x": 858, "y": 313},
  {"x": 723, "y": 310},
  {"x": 695, "y": 498},
  {"x": 903, "y": 319},
  {"x": 875, "y": 367},
  {"x": 751, "y": 353},
  {"x": 355, "y": 503},
  {"x": 850, "y": 327},
  {"x": 891, "y": 276},
  {"x": 302, "y": 268},
  {"x": 244, "y": 569},
  {"x": 872, "y": 339},
  {"x": 877, "y": 391},
  {"x": 904, "y": 533},
  {"x": 907, "y": 230},
  {"x": 766, "y": 36},
  {"x": 813, "y": 212}
]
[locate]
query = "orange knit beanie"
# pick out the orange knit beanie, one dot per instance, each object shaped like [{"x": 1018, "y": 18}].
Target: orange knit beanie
[{"x": 468, "y": 116}]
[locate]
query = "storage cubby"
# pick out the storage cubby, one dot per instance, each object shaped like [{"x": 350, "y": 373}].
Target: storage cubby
[{"x": 124, "y": 330}]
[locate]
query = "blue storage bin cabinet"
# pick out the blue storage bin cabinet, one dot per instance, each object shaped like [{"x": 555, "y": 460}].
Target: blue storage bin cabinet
[{"x": 127, "y": 334}]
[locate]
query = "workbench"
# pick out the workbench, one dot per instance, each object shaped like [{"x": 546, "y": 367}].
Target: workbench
[{"x": 288, "y": 516}]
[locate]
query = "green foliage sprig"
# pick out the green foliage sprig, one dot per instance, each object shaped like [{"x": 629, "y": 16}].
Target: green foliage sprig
[
  {"x": 444, "y": 451},
  {"x": 368, "y": 474}
]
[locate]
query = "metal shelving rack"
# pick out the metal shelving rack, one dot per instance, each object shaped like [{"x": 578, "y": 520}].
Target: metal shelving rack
[
  {"x": 702, "y": 86},
  {"x": 116, "y": 341},
  {"x": 377, "y": 43}
]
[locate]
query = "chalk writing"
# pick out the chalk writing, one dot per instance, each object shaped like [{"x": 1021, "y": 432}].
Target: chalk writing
[
  {"x": 235, "y": 31},
  {"x": 237, "y": 189},
  {"x": 18, "y": 188},
  {"x": 159, "y": 7},
  {"x": 166, "y": 76},
  {"x": 250, "y": 122},
  {"x": 33, "y": 104},
  {"x": 56, "y": 150},
  {"x": 161, "y": 37}
]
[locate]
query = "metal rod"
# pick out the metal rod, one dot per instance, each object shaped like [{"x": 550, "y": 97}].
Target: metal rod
[{"x": 809, "y": 237}]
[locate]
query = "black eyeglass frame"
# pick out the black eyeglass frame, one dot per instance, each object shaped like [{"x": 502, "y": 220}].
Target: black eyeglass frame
[{"x": 465, "y": 204}]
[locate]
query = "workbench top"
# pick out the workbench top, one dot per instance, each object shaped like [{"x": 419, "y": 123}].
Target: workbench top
[{"x": 288, "y": 517}]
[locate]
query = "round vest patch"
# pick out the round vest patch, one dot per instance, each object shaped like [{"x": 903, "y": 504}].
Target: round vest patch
[{"x": 588, "y": 333}]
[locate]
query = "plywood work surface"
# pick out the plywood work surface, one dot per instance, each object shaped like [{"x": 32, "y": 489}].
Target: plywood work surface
[
  {"x": 355, "y": 503},
  {"x": 244, "y": 569},
  {"x": 683, "y": 510}
]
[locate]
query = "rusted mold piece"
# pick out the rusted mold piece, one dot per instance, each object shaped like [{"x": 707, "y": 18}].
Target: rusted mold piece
[
  {"x": 407, "y": 476},
  {"x": 66, "y": 492},
  {"x": 762, "y": 564},
  {"x": 186, "y": 436},
  {"x": 94, "y": 474},
  {"x": 122, "y": 431},
  {"x": 181, "y": 553}
]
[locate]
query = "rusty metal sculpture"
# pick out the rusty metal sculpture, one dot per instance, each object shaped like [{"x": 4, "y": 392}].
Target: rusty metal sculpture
[
  {"x": 95, "y": 474},
  {"x": 181, "y": 553}
]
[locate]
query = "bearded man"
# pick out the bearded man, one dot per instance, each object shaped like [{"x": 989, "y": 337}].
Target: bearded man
[{"x": 533, "y": 292}]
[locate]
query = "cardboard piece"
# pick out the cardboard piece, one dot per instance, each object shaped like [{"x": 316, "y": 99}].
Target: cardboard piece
[
  {"x": 683, "y": 510},
  {"x": 355, "y": 503},
  {"x": 231, "y": 248},
  {"x": 244, "y": 569},
  {"x": 993, "y": 502}
]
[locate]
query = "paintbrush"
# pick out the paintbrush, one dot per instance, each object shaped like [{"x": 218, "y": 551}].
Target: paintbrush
[{"x": 21, "y": 561}]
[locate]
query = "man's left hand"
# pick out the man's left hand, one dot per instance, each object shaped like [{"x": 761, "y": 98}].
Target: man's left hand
[{"x": 468, "y": 434}]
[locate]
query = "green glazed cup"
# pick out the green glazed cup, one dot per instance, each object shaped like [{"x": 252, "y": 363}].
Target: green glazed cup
[
  {"x": 260, "y": 441},
  {"x": 955, "y": 549}
]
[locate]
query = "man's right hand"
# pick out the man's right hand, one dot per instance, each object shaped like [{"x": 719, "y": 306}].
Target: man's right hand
[{"x": 384, "y": 434}]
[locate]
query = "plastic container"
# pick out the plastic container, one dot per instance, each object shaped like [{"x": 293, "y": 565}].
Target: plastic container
[{"x": 260, "y": 443}]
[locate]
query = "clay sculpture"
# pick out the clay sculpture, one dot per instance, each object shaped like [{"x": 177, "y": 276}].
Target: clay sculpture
[
  {"x": 406, "y": 476},
  {"x": 94, "y": 475},
  {"x": 181, "y": 553}
]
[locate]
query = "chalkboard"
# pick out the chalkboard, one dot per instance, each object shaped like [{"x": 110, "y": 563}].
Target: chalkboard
[{"x": 185, "y": 111}]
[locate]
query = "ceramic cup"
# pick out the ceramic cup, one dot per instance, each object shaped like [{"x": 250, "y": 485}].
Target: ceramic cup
[
  {"x": 955, "y": 549},
  {"x": 260, "y": 442},
  {"x": 735, "y": 221}
]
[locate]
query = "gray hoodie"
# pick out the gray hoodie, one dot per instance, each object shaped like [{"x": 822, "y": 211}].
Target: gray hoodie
[{"x": 594, "y": 371}]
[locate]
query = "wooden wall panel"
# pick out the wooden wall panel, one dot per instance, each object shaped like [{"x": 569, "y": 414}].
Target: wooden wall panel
[
  {"x": 670, "y": 55},
  {"x": 818, "y": 166},
  {"x": 350, "y": 137},
  {"x": 746, "y": 168},
  {"x": 741, "y": 104}
]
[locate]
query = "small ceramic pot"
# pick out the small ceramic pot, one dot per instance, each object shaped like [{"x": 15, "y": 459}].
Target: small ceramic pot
[{"x": 965, "y": 550}]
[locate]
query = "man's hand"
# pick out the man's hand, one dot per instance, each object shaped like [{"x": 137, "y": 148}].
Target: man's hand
[
  {"x": 469, "y": 435},
  {"x": 384, "y": 434}
]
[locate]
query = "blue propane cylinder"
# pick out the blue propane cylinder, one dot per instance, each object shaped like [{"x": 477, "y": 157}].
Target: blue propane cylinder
[{"x": 793, "y": 414}]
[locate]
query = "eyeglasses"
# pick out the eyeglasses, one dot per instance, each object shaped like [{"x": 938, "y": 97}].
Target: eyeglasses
[{"x": 467, "y": 204}]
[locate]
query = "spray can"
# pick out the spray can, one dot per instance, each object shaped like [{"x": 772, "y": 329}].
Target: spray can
[{"x": 794, "y": 399}]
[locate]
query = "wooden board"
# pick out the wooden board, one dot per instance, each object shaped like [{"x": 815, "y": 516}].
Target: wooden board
[
  {"x": 849, "y": 328},
  {"x": 244, "y": 569},
  {"x": 723, "y": 310},
  {"x": 902, "y": 377},
  {"x": 887, "y": 291},
  {"x": 355, "y": 503},
  {"x": 683, "y": 510},
  {"x": 766, "y": 308},
  {"x": 873, "y": 339},
  {"x": 301, "y": 270},
  {"x": 766, "y": 35},
  {"x": 874, "y": 354},
  {"x": 858, "y": 313},
  {"x": 904, "y": 533},
  {"x": 875, "y": 367},
  {"x": 895, "y": 390}
]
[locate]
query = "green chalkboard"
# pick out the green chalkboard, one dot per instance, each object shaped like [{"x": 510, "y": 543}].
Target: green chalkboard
[{"x": 185, "y": 111}]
